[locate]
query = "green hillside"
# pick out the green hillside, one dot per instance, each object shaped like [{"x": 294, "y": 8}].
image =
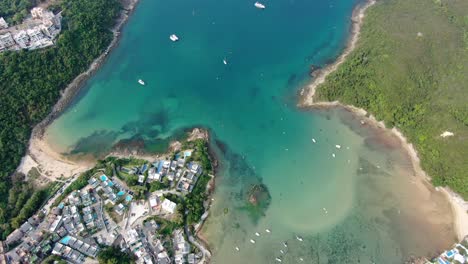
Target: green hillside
[{"x": 410, "y": 69}]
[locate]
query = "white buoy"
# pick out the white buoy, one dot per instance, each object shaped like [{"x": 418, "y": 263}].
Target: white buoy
[
  {"x": 281, "y": 251},
  {"x": 301, "y": 259}
]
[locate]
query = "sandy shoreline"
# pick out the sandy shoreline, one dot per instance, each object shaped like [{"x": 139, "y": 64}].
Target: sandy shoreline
[
  {"x": 459, "y": 206},
  {"x": 40, "y": 154}
]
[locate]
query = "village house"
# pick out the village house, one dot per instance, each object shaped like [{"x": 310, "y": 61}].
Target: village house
[{"x": 37, "y": 31}]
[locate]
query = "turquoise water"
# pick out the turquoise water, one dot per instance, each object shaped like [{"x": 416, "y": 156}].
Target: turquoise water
[{"x": 349, "y": 208}]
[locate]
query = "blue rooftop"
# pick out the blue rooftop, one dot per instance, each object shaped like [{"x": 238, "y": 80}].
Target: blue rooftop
[
  {"x": 103, "y": 177},
  {"x": 65, "y": 240}
]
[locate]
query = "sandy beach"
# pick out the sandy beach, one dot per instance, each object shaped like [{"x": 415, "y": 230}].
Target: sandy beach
[
  {"x": 39, "y": 154},
  {"x": 459, "y": 206}
]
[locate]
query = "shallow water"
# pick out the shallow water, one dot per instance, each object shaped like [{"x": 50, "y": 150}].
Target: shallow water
[{"x": 345, "y": 214}]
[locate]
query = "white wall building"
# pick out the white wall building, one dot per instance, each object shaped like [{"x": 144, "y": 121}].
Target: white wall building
[{"x": 168, "y": 206}]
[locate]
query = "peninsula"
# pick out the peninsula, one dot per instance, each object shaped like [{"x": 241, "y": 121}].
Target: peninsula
[
  {"x": 398, "y": 69},
  {"x": 125, "y": 209}
]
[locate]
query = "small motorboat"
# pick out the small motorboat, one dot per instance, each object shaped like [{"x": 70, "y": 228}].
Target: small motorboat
[
  {"x": 174, "y": 37},
  {"x": 299, "y": 238},
  {"x": 259, "y": 5},
  {"x": 257, "y": 234},
  {"x": 237, "y": 249},
  {"x": 333, "y": 155},
  {"x": 285, "y": 244},
  {"x": 252, "y": 241},
  {"x": 224, "y": 61},
  {"x": 338, "y": 146},
  {"x": 268, "y": 230},
  {"x": 313, "y": 140},
  {"x": 278, "y": 259},
  {"x": 140, "y": 81}
]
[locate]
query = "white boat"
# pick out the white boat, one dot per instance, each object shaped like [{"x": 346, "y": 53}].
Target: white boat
[
  {"x": 174, "y": 37},
  {"x": 140, "y": 81},
  {"x": 225, "y": 61},
  {"x": 259, "y": 5},
  {"x": 301, "y": 259},
  {"x": 237, "y": 248},
  {"x": 281, "y": 251},
  {"x": 299, "y": 238},
  {"x": 285, "y": 244},
  {"x": 257, "y": 234},
  {"x": 268, "y": 230},
  {"x": 278, "y": 259},
  {"x": 333, "y": 155},
  {"x": 252, "y": 241},
  {"x": 338, "y": 146},
  {"x": 313, "y": 140}
]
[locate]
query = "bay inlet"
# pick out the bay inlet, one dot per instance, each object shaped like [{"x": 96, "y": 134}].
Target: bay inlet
[{"x": 357, "y": 203}]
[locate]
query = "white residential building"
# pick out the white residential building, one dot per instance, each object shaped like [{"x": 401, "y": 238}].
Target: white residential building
[
  {"x": 22, "y": 39},
  {"x": 3, "y": 23},
  {"x": 6, "y": 41},
  {"x": 168, "y": 206},
  {"x": 37, "y": 12}
]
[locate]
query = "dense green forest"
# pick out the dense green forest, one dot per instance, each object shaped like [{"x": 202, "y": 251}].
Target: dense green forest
[
  {"x": 410, "y": 69},
  {"x": 30, "y": 83},
  {"x": 13, "y": 11}
]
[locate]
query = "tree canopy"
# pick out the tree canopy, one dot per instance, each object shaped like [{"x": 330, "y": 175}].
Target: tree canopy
[{"x": 31, "y": 81}]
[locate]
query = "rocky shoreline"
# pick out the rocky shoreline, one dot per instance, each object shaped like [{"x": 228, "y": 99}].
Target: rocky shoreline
[{"x": 67, "y": 95}]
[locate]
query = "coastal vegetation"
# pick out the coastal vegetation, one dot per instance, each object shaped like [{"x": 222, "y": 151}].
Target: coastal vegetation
[
  {"x": 409, "y": 69},
  {"x": 24, "y": 199},
  {"x": 31, "y": 81},
  {"x": 13, "y": 11}
]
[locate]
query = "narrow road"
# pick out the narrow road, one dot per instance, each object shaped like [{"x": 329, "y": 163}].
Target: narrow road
[{"x": 193, "y": 240}]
